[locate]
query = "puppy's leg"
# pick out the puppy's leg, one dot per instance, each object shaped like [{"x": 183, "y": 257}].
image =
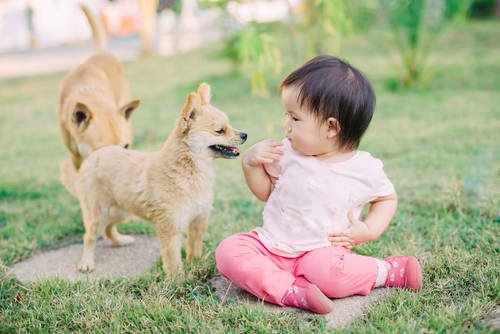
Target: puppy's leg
[
  {"x": 94, "y": 227},
  {"x": 170, "y": 247},
  {"x": 195, "y": 234},
  {"x": 116, "y": 216}
]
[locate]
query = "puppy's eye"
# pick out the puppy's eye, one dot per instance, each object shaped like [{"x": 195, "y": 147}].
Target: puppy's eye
[{"x": 220, "y": 132}]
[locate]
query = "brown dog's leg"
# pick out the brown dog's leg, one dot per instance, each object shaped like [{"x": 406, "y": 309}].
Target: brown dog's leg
[
  {"x": 170, "y": 247},
  {"x": 194, "y": 241}
]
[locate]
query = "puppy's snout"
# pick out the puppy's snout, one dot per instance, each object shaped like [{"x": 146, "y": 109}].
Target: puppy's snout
[
  {"x": 243, "y": 137},
  {"x": 125, "y": 146}
]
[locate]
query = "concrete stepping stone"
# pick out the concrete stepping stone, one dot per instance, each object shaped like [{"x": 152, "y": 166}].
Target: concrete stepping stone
[
  {"x": 493, "y": 319},
  {"x": 110, "y": 262},
  {"x": 139, "y": 257},
  {"x": 345, "y": 311}
]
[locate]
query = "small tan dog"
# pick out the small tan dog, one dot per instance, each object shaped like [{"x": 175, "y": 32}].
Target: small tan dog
[
  {"x": 94, "y": 106},
  {"x": 173, "y": 188}
]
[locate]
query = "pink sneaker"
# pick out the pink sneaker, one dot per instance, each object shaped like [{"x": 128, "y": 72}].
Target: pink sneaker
[
  {"x": 303, "y": 294},
  {"x": 405, "y": 272}
]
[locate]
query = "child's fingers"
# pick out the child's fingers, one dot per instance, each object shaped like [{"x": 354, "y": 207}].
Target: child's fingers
[
  {"x": 341, "y": 244},
  {"x": 340, "y": 239},
  {"x": 274, "y": 156},
  {"x": 274, "y": 146},
  {"x": 271, "y": 156},
  {"x": 274, "y": 150},
  {"x": 265, "y": 161}
]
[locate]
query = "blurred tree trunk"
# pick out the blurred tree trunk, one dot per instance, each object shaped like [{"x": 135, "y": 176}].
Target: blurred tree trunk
[{"x": 148, "y": 25}]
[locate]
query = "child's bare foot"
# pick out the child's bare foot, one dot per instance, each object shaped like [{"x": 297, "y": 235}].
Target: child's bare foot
[
  {"x": 305, "y": 295},
  {"x": 404, "y": 272}
]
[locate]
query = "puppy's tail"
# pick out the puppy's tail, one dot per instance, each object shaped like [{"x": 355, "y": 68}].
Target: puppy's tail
[
  {"x": 69, "y": 177},
  {"x": 98, "y": 32}
]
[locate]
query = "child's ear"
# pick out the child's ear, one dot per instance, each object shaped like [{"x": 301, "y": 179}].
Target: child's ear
[{"x": 333, "y": 127}]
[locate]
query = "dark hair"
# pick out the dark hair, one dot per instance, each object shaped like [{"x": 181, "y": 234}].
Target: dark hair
[{"x": 329, "y": 87}]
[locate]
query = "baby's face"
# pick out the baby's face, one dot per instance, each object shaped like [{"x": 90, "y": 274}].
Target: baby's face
[{"x": 306, "y": 133}]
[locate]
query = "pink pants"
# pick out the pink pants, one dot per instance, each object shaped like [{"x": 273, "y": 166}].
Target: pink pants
[{"x": 244, "y": 260}]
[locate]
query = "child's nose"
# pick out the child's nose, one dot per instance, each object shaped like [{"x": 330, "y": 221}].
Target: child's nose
[{"x": 288, "y": 126}]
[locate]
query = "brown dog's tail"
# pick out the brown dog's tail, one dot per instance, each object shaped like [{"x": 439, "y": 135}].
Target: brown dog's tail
[
  {"x": 69, "y": 177},
  {"x": 98, "y": 32}
]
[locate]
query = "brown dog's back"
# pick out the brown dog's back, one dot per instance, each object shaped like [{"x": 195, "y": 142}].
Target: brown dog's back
[
  {"x": 102, "y": 71},
  {"x": 94, "y": 106}
]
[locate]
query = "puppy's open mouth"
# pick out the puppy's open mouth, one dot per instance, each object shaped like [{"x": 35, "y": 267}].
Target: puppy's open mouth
[{"x": 226, "y": 151}]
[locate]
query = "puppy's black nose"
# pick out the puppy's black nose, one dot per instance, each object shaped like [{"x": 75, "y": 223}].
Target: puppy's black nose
[
  {"x": 243, "y": 136},
  {"x": 125, "y": 146}
]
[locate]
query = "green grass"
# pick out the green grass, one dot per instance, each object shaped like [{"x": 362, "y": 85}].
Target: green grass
[{"x": 440, "y": 146}]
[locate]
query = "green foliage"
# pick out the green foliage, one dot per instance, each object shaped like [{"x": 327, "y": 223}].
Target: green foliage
[
  {"x": 256, "y": 49},
  {"x": 483, "y": 8},
  {"x": 363, "y": 14},
  {"x": 415, "y": 25},
  {"x": 323, "y": 23},
  {"x": 315, "y": 28},
  {"x": 213, "y": 3}
]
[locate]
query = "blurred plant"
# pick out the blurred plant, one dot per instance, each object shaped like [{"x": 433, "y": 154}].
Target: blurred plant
[
  {"x": 323, "y": 22},
  {"x": 362, "y": 14},
  {"x": 173, "y": 5},
  {"x": 213, "y": 3},
  {"x": 415, "y": 24},
  {"x": 484, "y": 8},
  {"x": 314, "y": 27},
  {"x": 254, "y": 48}
]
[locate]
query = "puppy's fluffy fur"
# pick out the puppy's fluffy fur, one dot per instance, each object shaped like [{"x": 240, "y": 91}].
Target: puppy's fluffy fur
[
  {"x": 94, "y": 106},
  {"x": 173, "y": 188}
]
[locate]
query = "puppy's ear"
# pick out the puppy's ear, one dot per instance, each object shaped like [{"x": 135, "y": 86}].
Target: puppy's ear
[
  {"x": 205, "y": 93},
  {"x": 127, "y": 109},
  {"x": 189, "y": 111},
  {"x": 81, "y": 116}
]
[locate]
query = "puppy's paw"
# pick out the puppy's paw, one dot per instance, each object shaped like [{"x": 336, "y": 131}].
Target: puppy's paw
[
  {"x": 122, "y": 240},
  {"x": 85, "y": 266},
  {"x": 174, "y": 272}
]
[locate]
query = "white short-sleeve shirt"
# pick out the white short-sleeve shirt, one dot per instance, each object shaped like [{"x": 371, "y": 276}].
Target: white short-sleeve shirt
[{"x": 312, "y": 197}]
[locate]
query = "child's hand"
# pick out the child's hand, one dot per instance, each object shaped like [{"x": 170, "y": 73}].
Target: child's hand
[
  {"x": 264, "y": 152},
  {"x": 357, "y": 233}
]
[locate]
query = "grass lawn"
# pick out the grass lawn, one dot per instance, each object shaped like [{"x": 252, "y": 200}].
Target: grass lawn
[{"x": 440, "y": 146}]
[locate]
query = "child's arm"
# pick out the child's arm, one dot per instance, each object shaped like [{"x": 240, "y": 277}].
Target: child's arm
[
  {"x": 259, "y": 182},
  {"x": 380, "y": 214}
]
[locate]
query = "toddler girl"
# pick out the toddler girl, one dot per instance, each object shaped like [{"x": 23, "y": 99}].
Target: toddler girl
[{"x": 315, "y": 184}]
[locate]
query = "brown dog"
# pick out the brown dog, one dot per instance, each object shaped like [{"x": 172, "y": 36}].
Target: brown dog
[
  {"x": 173, "y": 188},
  {"x": 94, "y": 107}
]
